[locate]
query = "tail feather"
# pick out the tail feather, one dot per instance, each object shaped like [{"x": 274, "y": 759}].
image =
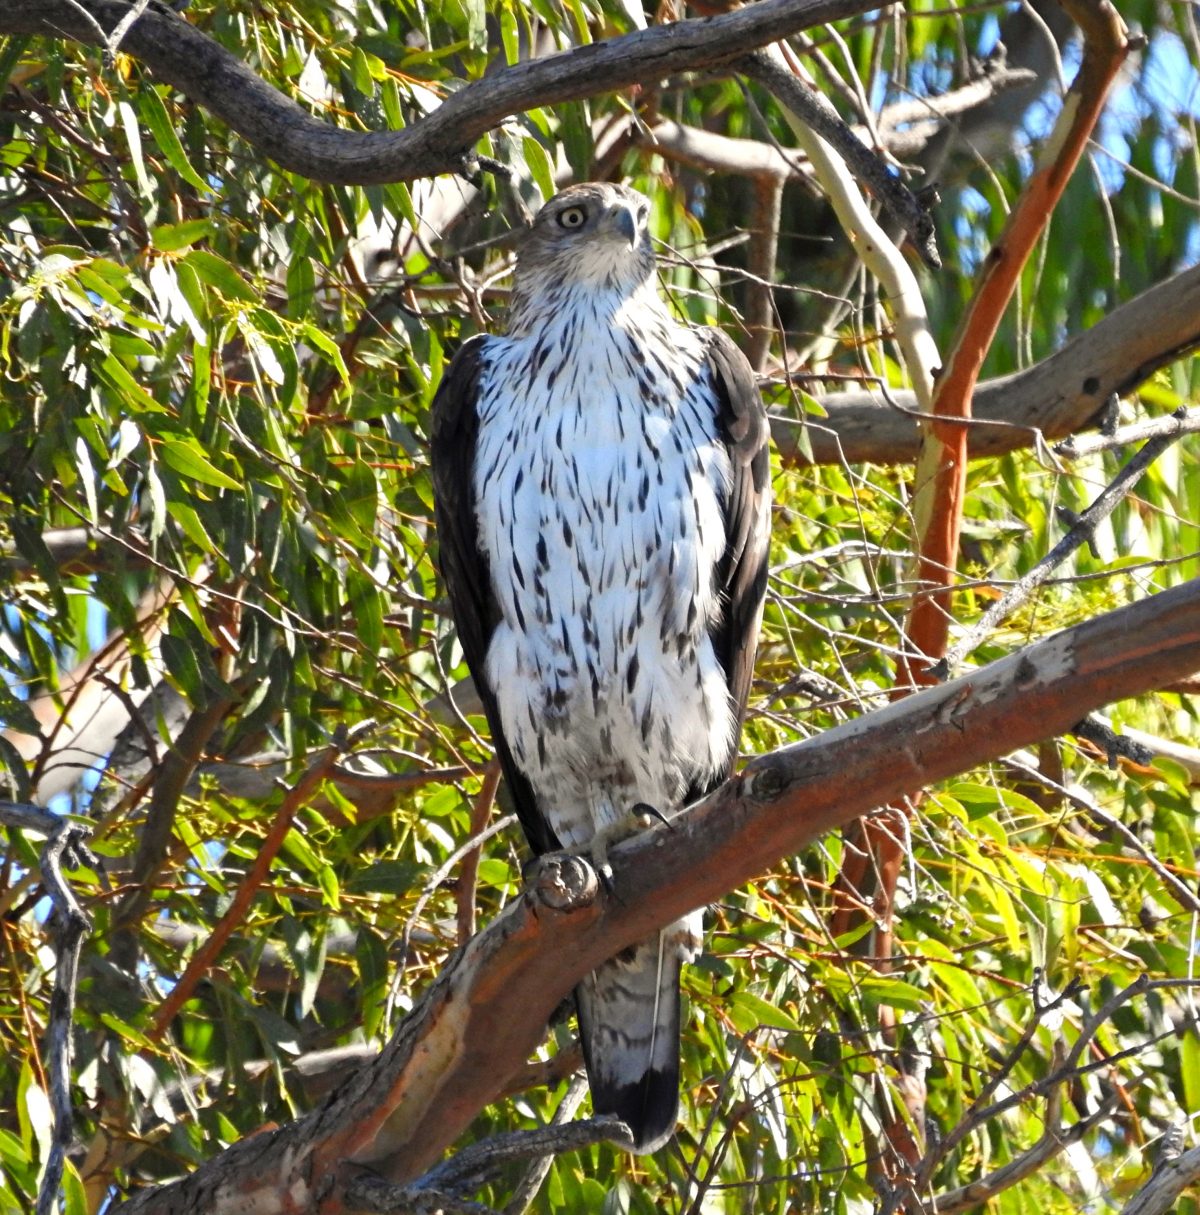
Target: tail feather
[{"x": 629, "y": 1027}]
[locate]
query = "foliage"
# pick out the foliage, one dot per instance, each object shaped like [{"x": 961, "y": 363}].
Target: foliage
[{"x": 224, "y": 372}]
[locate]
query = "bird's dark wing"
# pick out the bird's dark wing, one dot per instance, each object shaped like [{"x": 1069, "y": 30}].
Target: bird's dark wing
[
  {"x": 742, "y": 573},
  {"x": 464, "y": 566}
]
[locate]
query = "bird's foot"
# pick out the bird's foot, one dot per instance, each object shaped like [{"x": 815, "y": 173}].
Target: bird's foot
[{"x": 641, "y": 817}]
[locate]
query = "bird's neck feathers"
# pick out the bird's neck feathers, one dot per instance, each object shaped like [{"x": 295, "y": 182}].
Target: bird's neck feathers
[{"x": 545, "y": 298}]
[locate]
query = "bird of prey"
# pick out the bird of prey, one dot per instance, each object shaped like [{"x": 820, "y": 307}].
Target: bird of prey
[{"x": 602, "y": 489}]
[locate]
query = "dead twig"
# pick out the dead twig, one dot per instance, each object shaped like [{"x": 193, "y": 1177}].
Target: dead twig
[
  {"x": 1055, "y": 1139},
  {"x": 476, "y": 1165},
  {"x": 1181, "y": 422},
  {"x": 529, "y": 1185},
  {"x": 1167, "y": 1182}
]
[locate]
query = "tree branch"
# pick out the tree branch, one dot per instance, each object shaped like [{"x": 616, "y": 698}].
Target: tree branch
[
  {"x": 818, "y": 115},
  {"x": 441, "y": 141},
  {"x": 1054, "y": 398},
  {"x": 65, "y": 841},
  {"x": 756, "y": 158},
  {"x": 487, "y": 1011},
  {"x": 941, "y": 469},
  {"x": 1168, "y": 1181}
]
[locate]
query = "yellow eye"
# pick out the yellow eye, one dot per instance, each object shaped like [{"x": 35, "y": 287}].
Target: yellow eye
[{"x": 572, "y": 217}]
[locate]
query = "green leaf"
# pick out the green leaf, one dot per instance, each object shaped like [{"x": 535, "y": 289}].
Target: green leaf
[
  {"x": 133, "y": 139},
  {"x": 374, "y": 974},
  {"x": 540, "y": 169},
  {"x": 170, "y": 238},
  {"x": 300, "y": 852},
  {"x": 87, "y": 477},
  {"x": 218, "y": 273},
  {"x": 185, "y": 458},
  {"x": 184, "y": 668},
  {"x": 158, "y": 502},
  {"x": 34, "y": 1115},
  {"x": 1189, "y": 1067},
  {"x": 386, "y": 877},
  {"x": 155, "y": 116},
  {"x": 331, "y": 894},
  {"x": 328, "y": 347},
  {"x": 749, "y": 1011}
]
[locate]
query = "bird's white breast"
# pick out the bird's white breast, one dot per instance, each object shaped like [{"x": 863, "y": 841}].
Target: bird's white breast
[{"x": 600, "y": 481}]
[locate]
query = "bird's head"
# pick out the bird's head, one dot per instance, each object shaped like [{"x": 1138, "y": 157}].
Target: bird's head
[{"x": 592, "y": 236}]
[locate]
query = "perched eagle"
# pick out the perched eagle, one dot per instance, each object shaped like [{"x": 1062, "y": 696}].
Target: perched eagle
[{"x": 602, "y": 486}]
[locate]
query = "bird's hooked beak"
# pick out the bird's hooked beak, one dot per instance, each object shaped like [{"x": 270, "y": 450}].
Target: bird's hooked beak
[{"x": 621, "y": 220}]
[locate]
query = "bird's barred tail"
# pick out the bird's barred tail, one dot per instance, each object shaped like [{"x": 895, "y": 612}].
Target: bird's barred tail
[{"x": 629, "y": 1027}]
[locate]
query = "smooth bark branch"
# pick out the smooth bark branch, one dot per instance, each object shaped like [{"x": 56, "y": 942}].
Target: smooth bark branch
[
  {"x": 1054, "y": 398},
  {"x": 941, "y": 468},
  {"x": 440, "y": 142},
  {"x": 923, "y": 119},
  {"x": 488, "y": 1009}
]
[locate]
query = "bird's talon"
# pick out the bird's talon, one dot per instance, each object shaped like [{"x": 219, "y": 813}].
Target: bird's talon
[
  {"x": 651, "y": 814},
  {"x": 605, "y": 874}
]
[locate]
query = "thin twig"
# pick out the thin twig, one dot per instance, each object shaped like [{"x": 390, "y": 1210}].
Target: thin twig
[
  {"x": 529, "y": 1185},
  {"x": 1070, "y": 1068},
  {"x": 434, "y": 880},
  {"x": 1083, "y": 530},
  {"x": 979, "y": 1112},
  {"x": 206, "y": 955},
  {"x": 1182, "y": 422},
  {"x": 1079, "y": 798},
  {"x": 481, "y": 809},
  {"x": 112, "y": 43},
  {"x": 66, "y": 842},
  {"x": 1080, "y": 533},
  {"x": 1054, "y": 1140}
]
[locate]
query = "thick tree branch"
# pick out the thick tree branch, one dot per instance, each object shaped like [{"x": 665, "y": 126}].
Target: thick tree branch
[
  {"x": 441, "y": 142},
  {"x": 1056, "y": 397},
  {"x": 487, "y": 1010}
]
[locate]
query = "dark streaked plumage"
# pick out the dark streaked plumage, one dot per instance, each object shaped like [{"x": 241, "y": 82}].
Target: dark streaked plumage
[{"x": 602, "y": 489}]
